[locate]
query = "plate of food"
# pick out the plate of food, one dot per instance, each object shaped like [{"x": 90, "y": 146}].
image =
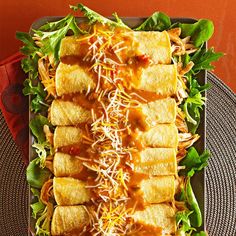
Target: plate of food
[{"x": 117, "y": 124}]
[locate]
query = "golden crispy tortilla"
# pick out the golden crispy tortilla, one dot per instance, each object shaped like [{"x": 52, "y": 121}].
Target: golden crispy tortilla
[
  {"x": 69, "y": 191},
  {"x": 65, "y": 165},
  {"x": 68, "y": 113},
  {"x": 68, "y": 220},
  {"x": 157, "y": 161},
  {"x": 157, "y": 215},
  {"x": 160, "y": 111},
  {"x": 67, "y": 135}
]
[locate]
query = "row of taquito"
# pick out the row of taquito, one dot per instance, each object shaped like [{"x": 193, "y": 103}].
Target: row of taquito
[
  {"x": 160, "y": 77},
  {"x": 158, "y": 159},
  {"x": 69, "y": 220}
]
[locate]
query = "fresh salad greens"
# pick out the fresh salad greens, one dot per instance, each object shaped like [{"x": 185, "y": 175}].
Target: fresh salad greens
[
  {"x": 194, "y": 162},
  {"x": 203, "y": 58},
  {"x": 183, "y": 222},
  {"x": 41, "y": 213},
  {"x": 36, "y": 176},
  {"x": 50, "y": 36},
  {"x": 158, "y": 21},
  {"x": 36, "y": 127},
  {"x": 199, "y": 32},
  {"x": 45, "y": 42},
  {"x": 94, "y": 17}
]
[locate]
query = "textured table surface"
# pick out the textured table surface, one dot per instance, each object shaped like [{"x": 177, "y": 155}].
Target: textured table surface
[{"x": 220, "y": 175}]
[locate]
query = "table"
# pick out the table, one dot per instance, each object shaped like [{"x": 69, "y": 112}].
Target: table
[{"x": 19, "y": 15}]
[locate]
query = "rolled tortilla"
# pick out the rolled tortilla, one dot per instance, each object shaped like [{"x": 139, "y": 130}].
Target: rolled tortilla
[
  {"x": 67, "y": 135},
  {"x": 73, "y": 79},
  {"x": 70, "y": 191},
  {"x": 71, "y": 47},
  {"x": 65, "y": 165},
  {"x": 68, "y": 220},
  {"x": 157, "y": 215},
  {"x": 160, "y": 111},
  {"x": 154, "y": 44},
  {"x": 158, "y": 189},
  {"x": 160, "y": 79},
  {"x": 68, "y": 113},
  {"x": 157, "y": 161},
  {"x": 162, "y": 135}
]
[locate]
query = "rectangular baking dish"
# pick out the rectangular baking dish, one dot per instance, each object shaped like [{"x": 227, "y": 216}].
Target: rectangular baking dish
[{"x": 198, "y": 180}]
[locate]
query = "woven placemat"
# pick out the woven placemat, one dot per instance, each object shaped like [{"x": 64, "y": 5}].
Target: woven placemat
[
  {"x": 220, "y": 175},
  {"x": 221, "y": 172}
]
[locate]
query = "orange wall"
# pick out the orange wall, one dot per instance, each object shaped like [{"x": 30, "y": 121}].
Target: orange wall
[{"x": 18, "y": 15}]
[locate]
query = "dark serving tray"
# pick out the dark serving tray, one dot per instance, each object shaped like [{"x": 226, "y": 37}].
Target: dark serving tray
[{"x": 198, "y": 180}]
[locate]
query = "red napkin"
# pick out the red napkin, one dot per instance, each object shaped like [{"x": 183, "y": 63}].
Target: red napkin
[{"x": 13, "y": 104}]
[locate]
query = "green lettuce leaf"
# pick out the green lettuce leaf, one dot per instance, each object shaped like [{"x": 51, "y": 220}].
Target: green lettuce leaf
[
  {"x": 194, "y": 162},
  {"x": 41, "y": 146},
  {"x": 196, "y": 216},
  {"x": 37, "y": 207},
  {"x": 29, "y": 48},
  {"x": 42, "y": 213},
  {"x": 36, "y": 176},
  {"x": 200, "y": 32},
  {"x": 30, "y": 66},
  {"x": 203, "y": 58},
  {"x": 158, "y": 21},
  {"x": 201, "y": 233},
  {"x": 52, "y": 33},
  {"x": 95, "y": 17},
  {"x": 36, "y": 126},
  {"x": 42, "y": 224},
  {"x": 194, "y": 103},
  {"x": 42, "y": 150},
  {"x": 183, "y": 223},
  {"x": 38, "y": 95}
]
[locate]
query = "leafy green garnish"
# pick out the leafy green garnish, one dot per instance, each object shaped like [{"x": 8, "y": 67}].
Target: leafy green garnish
[
  {"x": 29, "y": 48},
  {"x": 194, "y": 103},
  {"x": 43, "y": 150},
  {"x": 200, "y": 32},
  {"x": 52, "y": 33},
  {"x": 36, "y": 126},
  {"x": 196, "y": 216},
  {"x": 50, "y": 36},
  {"x": 191, "y": 108},
  {"x": 42, "y": 224},
  {"x": 95, "y": 17},
  {"x": 158, "y": 21},
  {"x": 183, "y": 222},
  {"x": 38, "y": 94},
  {"x": 203, "y": 57},
  {"x": 194, "y": 162},
  {"x": 30, "y": 66},
  {"x": 202, "y": 233},
  {"x": 36, "y": 176},
  {"x": 37, "y": 207},
  {"x": 42, "y": 213},
  {"x": 193, "y": 217},
  {"x": 42, "y": 147}
]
